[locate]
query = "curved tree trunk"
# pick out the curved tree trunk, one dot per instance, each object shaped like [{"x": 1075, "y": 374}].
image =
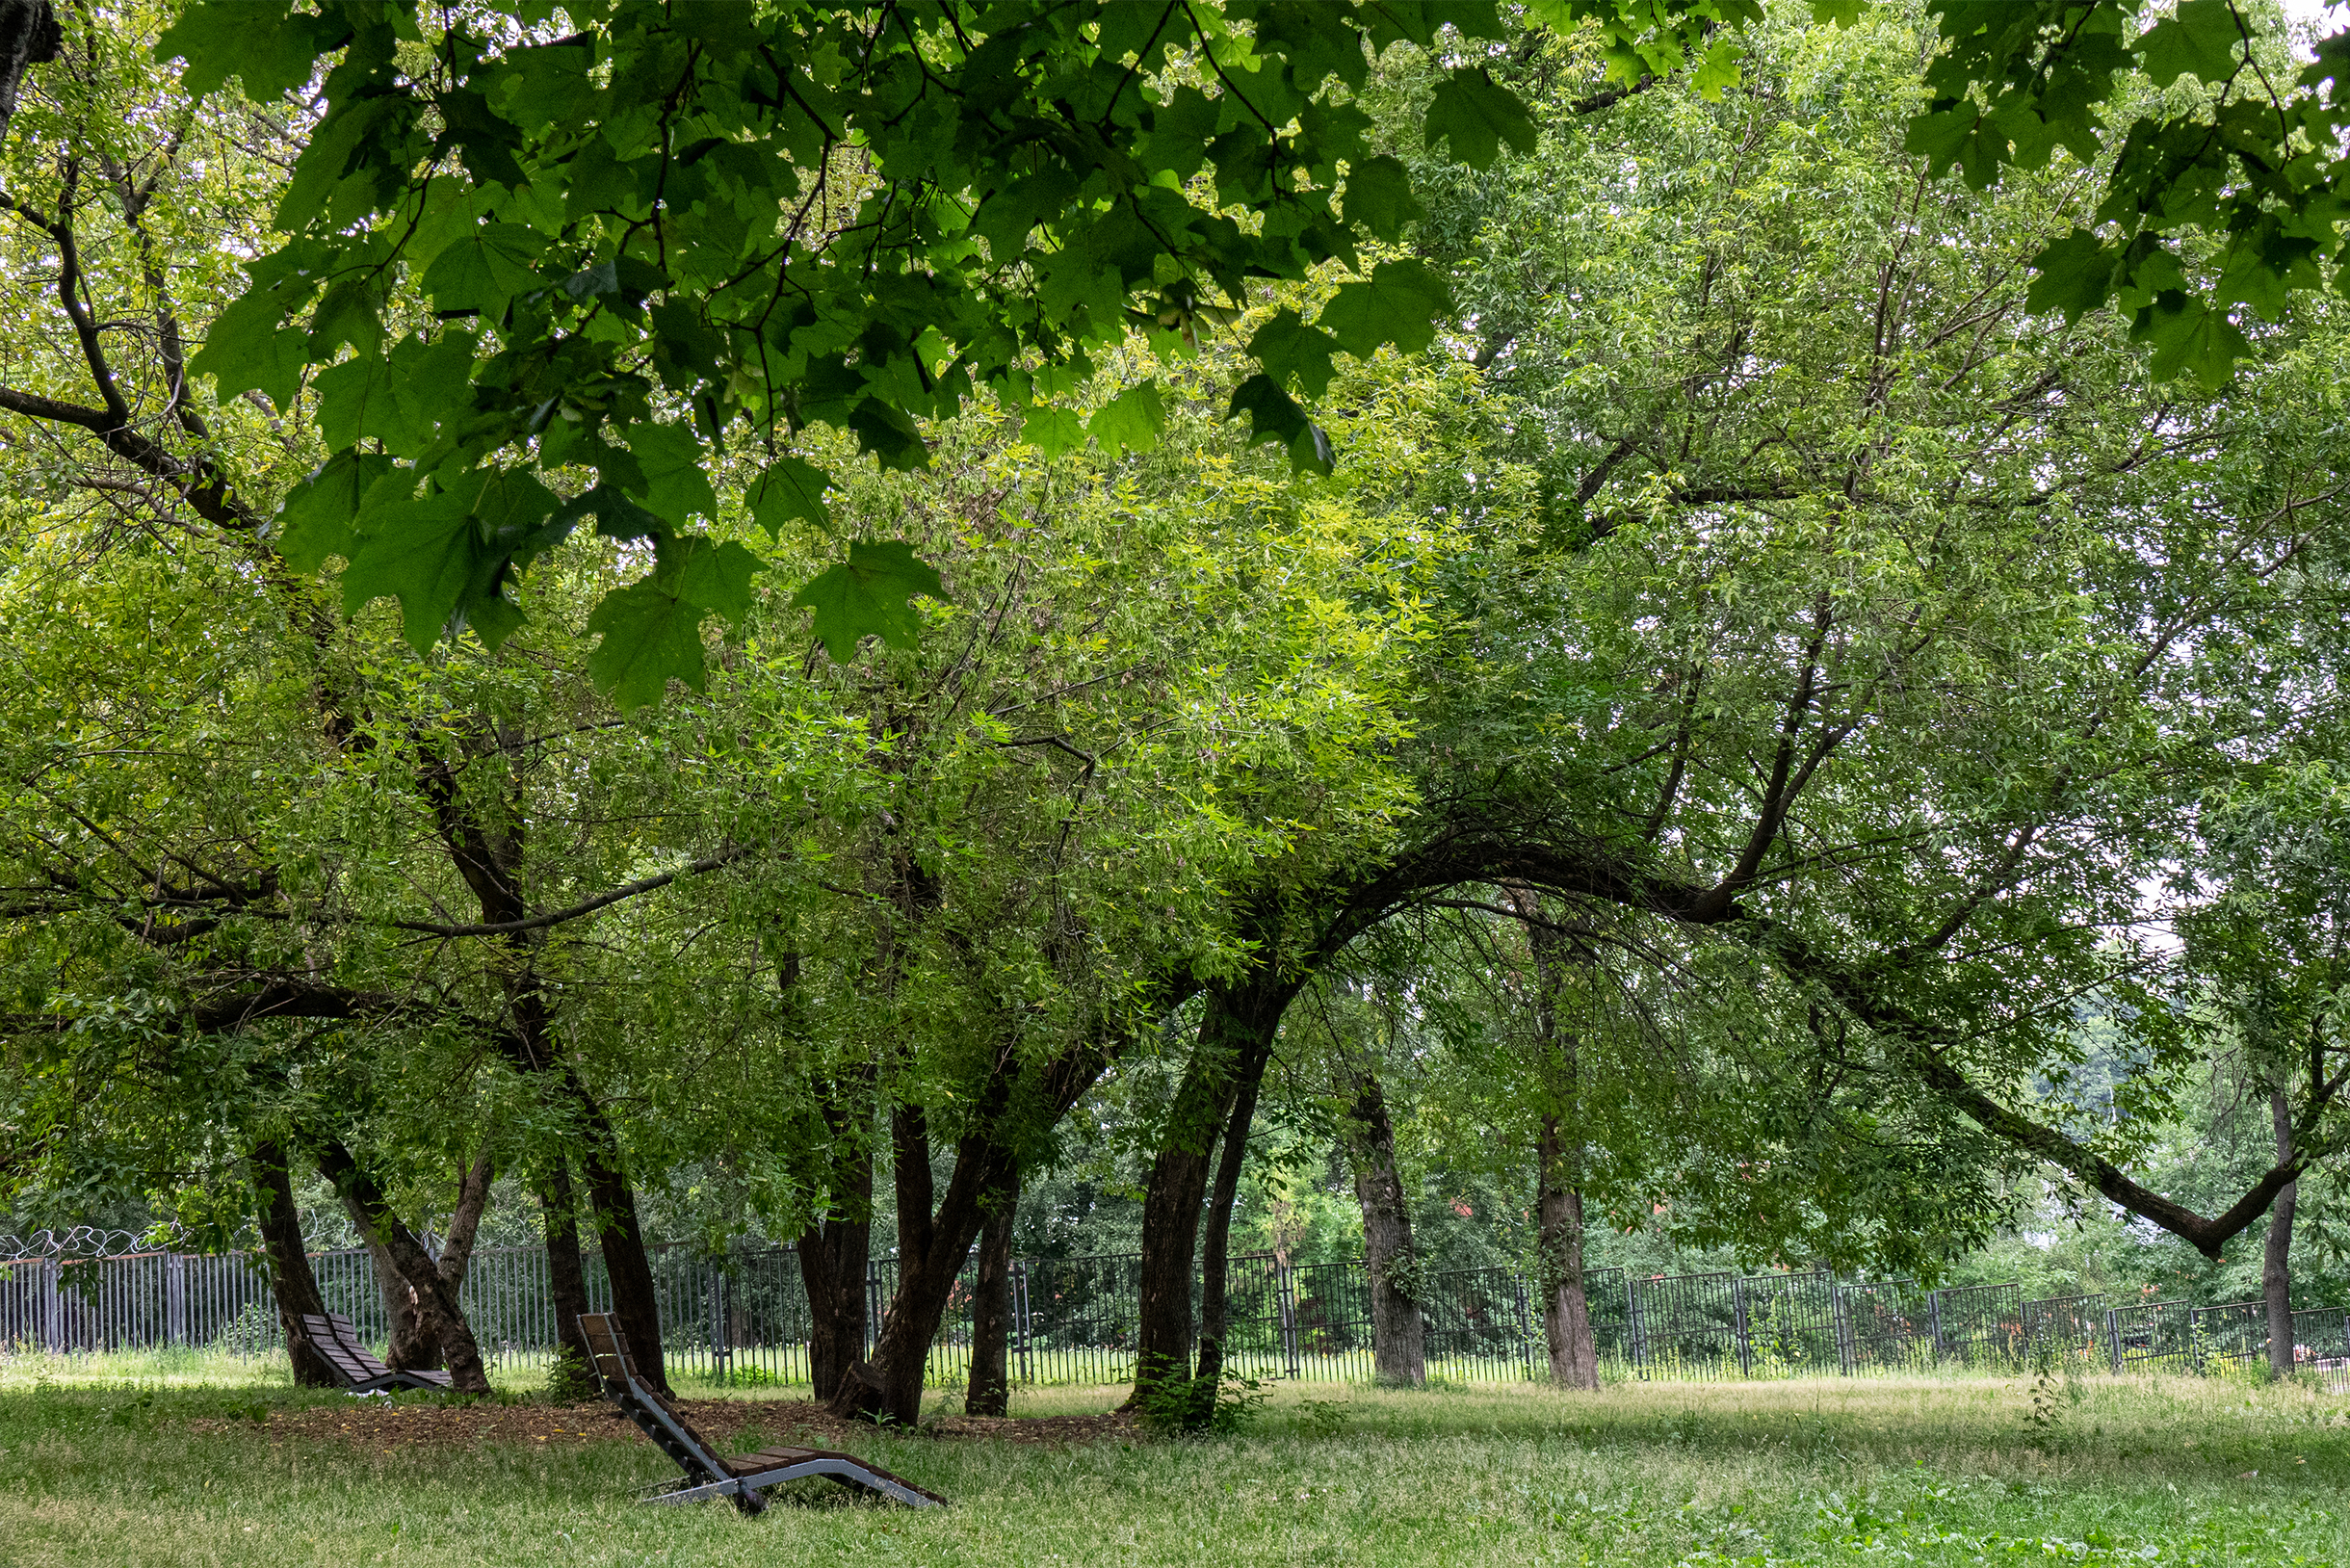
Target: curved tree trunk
[
  {"x": 411, "y": 1345},
  {"x": 1398, "y": 1333},
  {"x": 437, "y": 1303},
  {"x": 889, "y": 1387},
  {"x": 989, "y": 1393},
  {"x": 1215, "y": 1243},
  {"x": 634, "y": 1299},
  {"x": 1171, "y": 1201},
  {"x": 291, "y": 1280},
  {"x": 2276, "y": 1256}
]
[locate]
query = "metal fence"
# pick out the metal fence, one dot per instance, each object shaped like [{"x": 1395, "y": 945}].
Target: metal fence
[
  {"x": 743, "y": 1318},
  {"x": 2177, "y": 1336}
]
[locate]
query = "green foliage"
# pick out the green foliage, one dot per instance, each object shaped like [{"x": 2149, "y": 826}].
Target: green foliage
[
  {"x": 570, "y": 1380},
  {"x": 1228, "y": 1406},
  {"x": 1014, "y": 186}
]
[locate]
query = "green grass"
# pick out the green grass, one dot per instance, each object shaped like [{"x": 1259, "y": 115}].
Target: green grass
[{"x": 1828, "y": 1471}]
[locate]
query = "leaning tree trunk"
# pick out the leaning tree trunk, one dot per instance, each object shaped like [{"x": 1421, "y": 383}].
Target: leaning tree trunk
[
  {"x": 931, "y": 1254},
  {"x": 444, "y": 1317},
  {"x": 566, "y": 1268},
  {"x": 636, "y": 1300},
  {"x": 291, "y": 1282},
  {"x": 1566, "y": 1311},
  {"x": 989, "y": 1393},
  {"x": 411, "y": 1346},
  {"x": 1215, "y": 1245},
  {"x": 1171, "y": 1202},
  {"x": 2276, "y": 1257},
  {"x": 1398, "y": 1333}
]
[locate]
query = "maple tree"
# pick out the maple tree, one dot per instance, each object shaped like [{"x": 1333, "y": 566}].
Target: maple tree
[{"x": 535, "y": 278}]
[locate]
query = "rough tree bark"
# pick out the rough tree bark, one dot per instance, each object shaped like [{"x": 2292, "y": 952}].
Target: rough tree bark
[
  {"x": 627, "y": 1268},
  {"x": 1171, "y": 1200},
  {"x": 413, "y": 1348},
  {"x": 566, "y": 1268},
  {"x": 1016, "y": 1110},
  {"x": 2277, "y": 1255},
  {"x": 1558, "y": 1163},
  {"x": 1215, "y": 1243},
  {"x": 836, "y": 1249},
  {"x": 1566, "y": 1311},
  {"x": 931, "y": 1253},
  {"x": 989, "y": 1393},
  {"x": 1398, "y": 1333},
  {"x": 291, "y": 1281},
  {"x": 435, "y": 1301}
]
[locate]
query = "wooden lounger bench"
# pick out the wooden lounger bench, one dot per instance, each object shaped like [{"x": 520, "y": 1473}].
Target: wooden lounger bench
[
  {"x": 337, "y": 1343},
  {"x": 741, "y": 1479}
]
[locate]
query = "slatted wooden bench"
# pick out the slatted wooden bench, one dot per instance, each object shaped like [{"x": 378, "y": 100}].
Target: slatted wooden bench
[
  {"x": 337, "y": 1343},
  {"x": 741, "y": 1478}
]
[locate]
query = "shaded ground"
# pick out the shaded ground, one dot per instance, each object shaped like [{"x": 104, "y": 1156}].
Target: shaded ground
[{"x": 735, "y": 1426}]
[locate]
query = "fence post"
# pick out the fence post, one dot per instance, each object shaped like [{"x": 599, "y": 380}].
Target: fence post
[
  {"x": 2113, "y": 1336},
  {"x": 1525, "y": 1328},
  {"x": 1020, "y": 1318},
  {"x": 175, "y": 1298},
  {"x": 1285, "y": 1304},
  {"x": 1737, "y": 1317},
  {"x": 1840, "y": 1306},
  {"x": 52, "y": 1311},
  {"x": 715, "y": 1293},
  {"x": 1639, "y": 1332},
  {"x": 2195, "y": 1339},
  {"x": 1934, "y": 1301}
]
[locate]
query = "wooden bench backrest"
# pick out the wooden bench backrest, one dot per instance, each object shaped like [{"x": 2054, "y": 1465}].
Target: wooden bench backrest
[
  {"x": 607, "y": 1351},
  {"x": 333, "y": 1336}
]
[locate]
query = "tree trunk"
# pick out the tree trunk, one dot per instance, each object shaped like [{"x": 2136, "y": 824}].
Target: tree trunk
[
  {"x": 889, "y": 1387},
  {"x": 291, "y": 1281},
  {"x": 1397, "y": 1334},
  {"x": 1171, "y": 1203},
  {"x": 1215, "y": 1245},
  {"x": 1558, "y": 1163},
  {"x": 411, "y": 1346},
  {"x": 1019, "y": 1113},
  {"x": 1566, "y": 1312},
  {"x": 28, "y": 37},
  {"x": 566, "y": 1268},
  {"x": 444, "y": 1318},
  {"x": 2276, "y": 1257},
  {"x": 991, "y": 1313},
  {"x": 465, "y": 1219},
  {"x": 635, "y": 1301}
]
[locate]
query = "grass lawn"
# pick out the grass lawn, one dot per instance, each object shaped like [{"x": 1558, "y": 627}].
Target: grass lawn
[{"x": 172, "y": 1471}]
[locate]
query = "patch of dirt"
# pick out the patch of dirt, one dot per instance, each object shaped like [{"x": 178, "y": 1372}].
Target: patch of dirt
[
  {"x": 1039, "y": 1429},
  {"x": 389, "y": 1424}
]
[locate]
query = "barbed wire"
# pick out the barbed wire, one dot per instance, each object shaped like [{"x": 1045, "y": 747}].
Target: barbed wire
[{"x": 84, "y": 1241}]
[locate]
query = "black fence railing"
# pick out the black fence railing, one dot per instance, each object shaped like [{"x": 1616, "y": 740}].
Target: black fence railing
[{"x": 743, "y": 1318}]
